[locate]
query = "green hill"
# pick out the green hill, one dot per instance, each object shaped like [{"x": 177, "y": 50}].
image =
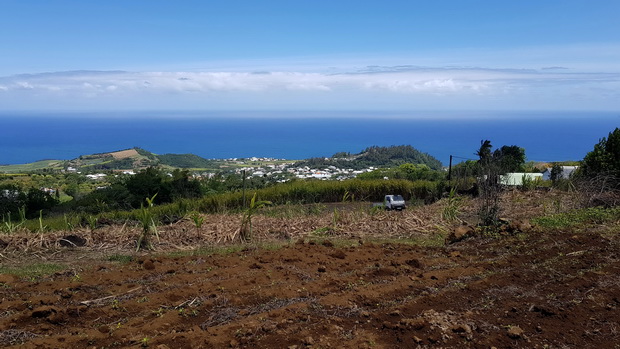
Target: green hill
[
  {"x": 127, "y": 159},
  {"x": 377, "y": 157},
  {"x": 186, "y": 161}
]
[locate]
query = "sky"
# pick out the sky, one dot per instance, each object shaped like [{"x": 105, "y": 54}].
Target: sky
[{"x": 61, "y": 55}]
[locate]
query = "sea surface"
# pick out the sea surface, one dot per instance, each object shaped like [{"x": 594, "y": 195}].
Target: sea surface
[{"x": 546, "y": 136}]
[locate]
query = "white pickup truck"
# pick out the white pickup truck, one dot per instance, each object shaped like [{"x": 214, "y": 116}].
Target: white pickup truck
[{"x": 394, "y": 202}]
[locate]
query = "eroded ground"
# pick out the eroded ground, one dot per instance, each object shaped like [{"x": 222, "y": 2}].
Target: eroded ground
[{"x": 531, "y": 290}]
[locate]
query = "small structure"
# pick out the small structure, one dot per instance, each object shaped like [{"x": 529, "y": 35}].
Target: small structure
[
  {"x": 516, "y": 179},
  {"x": 566, "y": 172}
]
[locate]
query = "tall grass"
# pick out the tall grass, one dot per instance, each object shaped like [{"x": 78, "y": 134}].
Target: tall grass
[
  {"x": 291, "y": 193},
  {"x": 309, "y": 192}
]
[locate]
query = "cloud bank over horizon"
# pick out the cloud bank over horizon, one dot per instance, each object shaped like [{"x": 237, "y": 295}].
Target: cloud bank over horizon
[{"x": 374, "y": 87}]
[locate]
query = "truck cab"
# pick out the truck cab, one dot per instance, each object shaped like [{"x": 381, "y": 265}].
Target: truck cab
[{"x": 394, "y": 202}]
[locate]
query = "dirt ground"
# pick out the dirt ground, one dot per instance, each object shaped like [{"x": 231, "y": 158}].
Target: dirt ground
[{"x": 552, "y": 289}]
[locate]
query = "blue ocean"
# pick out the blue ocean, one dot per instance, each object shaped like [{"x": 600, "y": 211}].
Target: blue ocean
[{"x": 546, "y": 136}]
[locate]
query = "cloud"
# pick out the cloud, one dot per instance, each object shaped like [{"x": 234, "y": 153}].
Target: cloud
[{"x": 402, "y": 85}]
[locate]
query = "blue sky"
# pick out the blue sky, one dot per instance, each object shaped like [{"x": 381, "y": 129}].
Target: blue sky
[{"x": 308, "y": 55}]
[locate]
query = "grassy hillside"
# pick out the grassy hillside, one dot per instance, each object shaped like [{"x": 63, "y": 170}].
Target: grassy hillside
[
  {"x": 126, "y": 159},
  {"x": 34, "y": 166},
  {"x": 136, "y": 158}
]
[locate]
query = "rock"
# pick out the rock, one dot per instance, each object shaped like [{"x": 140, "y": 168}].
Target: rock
[
  {"x": 461, "y": 328},
  {"x": 515, "y": 332},
  {"x": 460, "y": 233},
  {"x": 416, "y": 324},
  {"x": 519, "y": 226}
]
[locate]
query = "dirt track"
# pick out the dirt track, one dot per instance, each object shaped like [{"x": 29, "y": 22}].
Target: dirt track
[{"x": 551, "y": 290}]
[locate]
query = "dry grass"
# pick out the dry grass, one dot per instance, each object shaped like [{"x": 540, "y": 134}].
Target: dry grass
[
  {"x": 359, "y": 223},
  {"x": 124, "y": 154}
]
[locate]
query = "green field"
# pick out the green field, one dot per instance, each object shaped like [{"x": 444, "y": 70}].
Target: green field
[{"x": 34, "y": 166}]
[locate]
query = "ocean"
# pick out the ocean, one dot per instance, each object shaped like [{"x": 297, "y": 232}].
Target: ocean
[{"x": 546, "y": 136}]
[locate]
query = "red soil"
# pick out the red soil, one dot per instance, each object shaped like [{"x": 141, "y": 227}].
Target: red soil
[{"x": 535, "y": 290}]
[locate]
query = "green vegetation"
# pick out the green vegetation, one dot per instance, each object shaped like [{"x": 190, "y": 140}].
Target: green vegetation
[
  {"x": 186, "y": 161},
  {"x": 605, "y": 158},
  {"x": 129, "y": 192},
  {"x": 377, "y": 157},
  {"x": 488, "y": 169},
  {"x": 591, "y": 215},
  {"x": 246, "y": 223},
  {"x": 121, "y": 258},
  {"x": 34, "y": 166},
  {"x": 149, "y": 227},
  {"x": 310, "y": 192},
  {"x": 412, "y": 172}
]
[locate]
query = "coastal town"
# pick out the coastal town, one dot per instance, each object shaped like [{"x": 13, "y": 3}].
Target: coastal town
[{"x": 272, "y": 169}]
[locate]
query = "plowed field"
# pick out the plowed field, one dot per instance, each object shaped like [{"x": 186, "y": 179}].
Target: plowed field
[{"x": 540, "y": 290}]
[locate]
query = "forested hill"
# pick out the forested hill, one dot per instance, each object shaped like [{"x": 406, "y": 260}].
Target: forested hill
[
  {"x": 376, "y": 156},
  {"x": 186, "y": 161}
]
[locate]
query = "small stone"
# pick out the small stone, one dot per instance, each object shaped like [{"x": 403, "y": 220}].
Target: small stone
[
  {"x": 515, "y": 332},
  {"x": 462, "y": 328},
  {"x": 416, "y": 324}
]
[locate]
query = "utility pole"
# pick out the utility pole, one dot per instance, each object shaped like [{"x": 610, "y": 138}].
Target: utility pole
[
  {"x": 243, "y": 174},
  {"x": 450, "y": 169}
]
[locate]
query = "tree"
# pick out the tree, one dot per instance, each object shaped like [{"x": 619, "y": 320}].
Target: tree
[
  {"x": 37, "y": 200},
  {"x": 510, "y": 158},
  {"x": 556, "y": 173},
  {"x": 488, "y": 184},
  {"x": 414, "y": 172},
  {"x": 181, "y": 186},
  {"x": 147, "y": 183},
  {"x": 12, "y": 198},
  {"x": 484, "y": 152},
  {"x": 605, "y": 158}
]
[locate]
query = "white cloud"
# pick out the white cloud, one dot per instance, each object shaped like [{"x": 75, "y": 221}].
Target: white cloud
[{"x": 405, "y": 86}]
